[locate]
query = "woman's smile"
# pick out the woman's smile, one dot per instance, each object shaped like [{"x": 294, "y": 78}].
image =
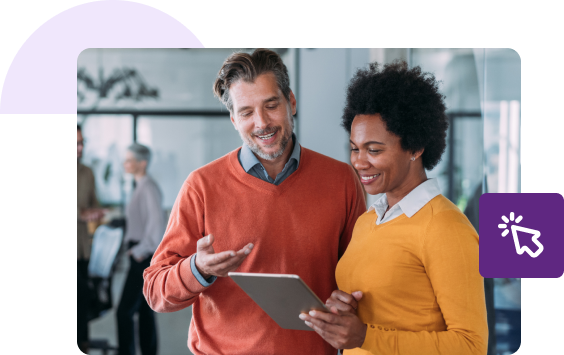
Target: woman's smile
[{"x": 367, "y": 179}]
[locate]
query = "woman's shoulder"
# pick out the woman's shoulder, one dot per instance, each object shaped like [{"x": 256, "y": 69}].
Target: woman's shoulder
[
  {"x": 444, "y": 214},
  {"x": 366, "y": 219}
]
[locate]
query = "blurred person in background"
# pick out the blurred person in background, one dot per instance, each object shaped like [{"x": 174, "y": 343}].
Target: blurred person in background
[
  {"x": 88, "y": 215},
  {"x": 409, "y": 281},
  {"x": 145, "y": 225},
  {"x": 270, "y": 206}
]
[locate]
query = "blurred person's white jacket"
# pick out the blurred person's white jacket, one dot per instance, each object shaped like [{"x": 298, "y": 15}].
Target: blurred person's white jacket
[{"x": 145, "y": 218}]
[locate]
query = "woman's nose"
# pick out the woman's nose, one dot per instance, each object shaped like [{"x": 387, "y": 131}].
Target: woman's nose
[{"x": 360, "y": 162}]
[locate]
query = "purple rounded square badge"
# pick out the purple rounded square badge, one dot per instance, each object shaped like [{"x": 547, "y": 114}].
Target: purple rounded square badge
[{"x": 521, "y": 235}]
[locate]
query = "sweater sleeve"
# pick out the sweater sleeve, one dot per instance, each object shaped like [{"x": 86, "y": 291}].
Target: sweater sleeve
[
  {"x": 450, "y": 257},
  {"x": 169, "y": 283},
  {"x": 356, "y": 207}
]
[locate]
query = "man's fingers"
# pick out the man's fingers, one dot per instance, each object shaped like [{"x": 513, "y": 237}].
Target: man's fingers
[
  {"x": 231, "y": 257},
  {"x": 246, "y": 250},
  {"x": 220, "y": 258},
  {"x": 230, "y": 265},
  {"x": 219, "y": 264}
]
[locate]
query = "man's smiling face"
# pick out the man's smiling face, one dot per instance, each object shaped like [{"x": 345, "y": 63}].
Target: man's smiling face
[{"x": 262, "y": 115}]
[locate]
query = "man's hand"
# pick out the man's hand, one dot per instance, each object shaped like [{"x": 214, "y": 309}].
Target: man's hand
[
  {"x": 344, "y": 302},
  {"x": 92, "y": 214},
  {"x": 341, "y": 330},
  {"x": 130, "y": 253},
  {"x": 209, "y": 263}
]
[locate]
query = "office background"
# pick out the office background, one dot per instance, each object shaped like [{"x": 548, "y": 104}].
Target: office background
[{"x": 162, "y": 98}]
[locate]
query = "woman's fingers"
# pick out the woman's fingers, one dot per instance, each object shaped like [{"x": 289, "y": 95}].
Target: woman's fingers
[
  {"x": 339, "y": 306},
  {"x": 357, "y": 295},
  {"x": 326, "y": 317},
  {"x": 343, "y": 301},
  {"x": 318, "y": 324},
  {"x": 346, "y": 298}
]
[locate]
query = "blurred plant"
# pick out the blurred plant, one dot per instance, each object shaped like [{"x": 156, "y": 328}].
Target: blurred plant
[{"x": 125, "y": 82}]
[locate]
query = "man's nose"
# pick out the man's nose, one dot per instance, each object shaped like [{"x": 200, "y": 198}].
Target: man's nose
[{"x": 261, "y": 119}]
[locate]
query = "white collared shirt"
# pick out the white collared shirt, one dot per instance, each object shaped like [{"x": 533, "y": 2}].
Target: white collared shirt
[{"x": 410, "y": 204}]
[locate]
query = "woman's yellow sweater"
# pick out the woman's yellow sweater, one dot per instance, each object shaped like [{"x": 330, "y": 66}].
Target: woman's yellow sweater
[{"x": 423, "y": 293}]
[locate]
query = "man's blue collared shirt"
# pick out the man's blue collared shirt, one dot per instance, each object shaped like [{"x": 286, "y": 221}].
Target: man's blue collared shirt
[{"x": 253, "y": 166}]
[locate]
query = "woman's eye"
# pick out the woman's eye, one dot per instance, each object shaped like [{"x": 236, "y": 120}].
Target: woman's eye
[
  {"x": 374, "y": 151},
  {"x": 354, "y": 149}
]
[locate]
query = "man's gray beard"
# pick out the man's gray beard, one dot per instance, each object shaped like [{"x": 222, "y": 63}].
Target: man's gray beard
[{"x": 257, "y": 150}]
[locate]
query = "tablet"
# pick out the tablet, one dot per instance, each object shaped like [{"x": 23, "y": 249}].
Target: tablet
[{"x": 282, "y": 297}]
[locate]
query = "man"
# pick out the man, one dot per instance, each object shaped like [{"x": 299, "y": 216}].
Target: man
[
  {"x": 87, "y": 211},
  {"x": 271, "y": 206},
  {"x": 145, "y": 225}
]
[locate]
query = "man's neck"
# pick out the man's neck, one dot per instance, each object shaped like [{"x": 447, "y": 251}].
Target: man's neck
[{"x": 275, "y": 167}]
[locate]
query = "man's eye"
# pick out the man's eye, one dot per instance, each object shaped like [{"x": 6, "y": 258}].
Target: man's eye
[
  {"x": 354, "y": 149},
  {"x": 374, "y": 151},
  {"x": 271, "y": 107}
]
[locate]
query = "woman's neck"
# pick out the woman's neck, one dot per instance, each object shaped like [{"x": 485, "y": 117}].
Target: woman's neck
[{"x": 411, "y": 182}]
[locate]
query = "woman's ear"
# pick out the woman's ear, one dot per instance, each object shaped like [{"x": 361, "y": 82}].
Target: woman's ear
[{"x": 417, "y": 154}]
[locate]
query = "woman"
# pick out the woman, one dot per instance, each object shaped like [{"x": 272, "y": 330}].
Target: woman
[{"x": 409, "y": 280}]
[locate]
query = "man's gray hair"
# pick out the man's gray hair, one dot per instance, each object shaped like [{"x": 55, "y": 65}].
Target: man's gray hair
[
  {"x": 247, "y": 67},
  {"x": 140, "y": 152}
]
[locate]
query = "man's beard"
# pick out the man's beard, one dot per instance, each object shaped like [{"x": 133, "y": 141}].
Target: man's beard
[{"x": 255, "y": 148}]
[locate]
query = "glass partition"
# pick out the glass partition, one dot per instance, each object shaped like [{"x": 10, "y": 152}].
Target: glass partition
[
  {"x": 106, "y": 137},
  {"x": 500, "y": 79},
  {"x": 181, "y": 145}
]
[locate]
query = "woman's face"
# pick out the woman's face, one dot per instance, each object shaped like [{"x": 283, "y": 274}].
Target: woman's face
[{"x": 377, "y": 155}]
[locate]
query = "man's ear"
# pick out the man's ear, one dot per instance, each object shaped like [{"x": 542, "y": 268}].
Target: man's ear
[
  {"x": 293, "y": 102},
  {"x": 233, "y": 122}
]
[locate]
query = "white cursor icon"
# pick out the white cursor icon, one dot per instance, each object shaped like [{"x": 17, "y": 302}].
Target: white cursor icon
[{"x": 514, "y": 229}]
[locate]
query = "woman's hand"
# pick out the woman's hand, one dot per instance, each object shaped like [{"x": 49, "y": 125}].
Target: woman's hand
[
  {"x": 343, "y": 301},
  {"x": 343, "y": 330}
]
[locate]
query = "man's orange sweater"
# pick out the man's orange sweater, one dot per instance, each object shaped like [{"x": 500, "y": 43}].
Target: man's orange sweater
[{"x": 301, "y": 226}]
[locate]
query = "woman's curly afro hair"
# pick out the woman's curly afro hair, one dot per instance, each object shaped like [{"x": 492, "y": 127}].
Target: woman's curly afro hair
[{"x": 409, "y": 103}]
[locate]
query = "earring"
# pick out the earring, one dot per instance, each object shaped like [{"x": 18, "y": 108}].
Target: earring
[{"x": 412, "y": 158}]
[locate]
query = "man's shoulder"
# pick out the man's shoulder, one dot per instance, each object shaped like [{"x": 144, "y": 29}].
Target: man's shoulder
[
  {"x": 323, "y": 161},
  {"x": 151, "y": 184},
  {"x": 216, "y": 168},
  {"x": 84, "y": 172}
]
